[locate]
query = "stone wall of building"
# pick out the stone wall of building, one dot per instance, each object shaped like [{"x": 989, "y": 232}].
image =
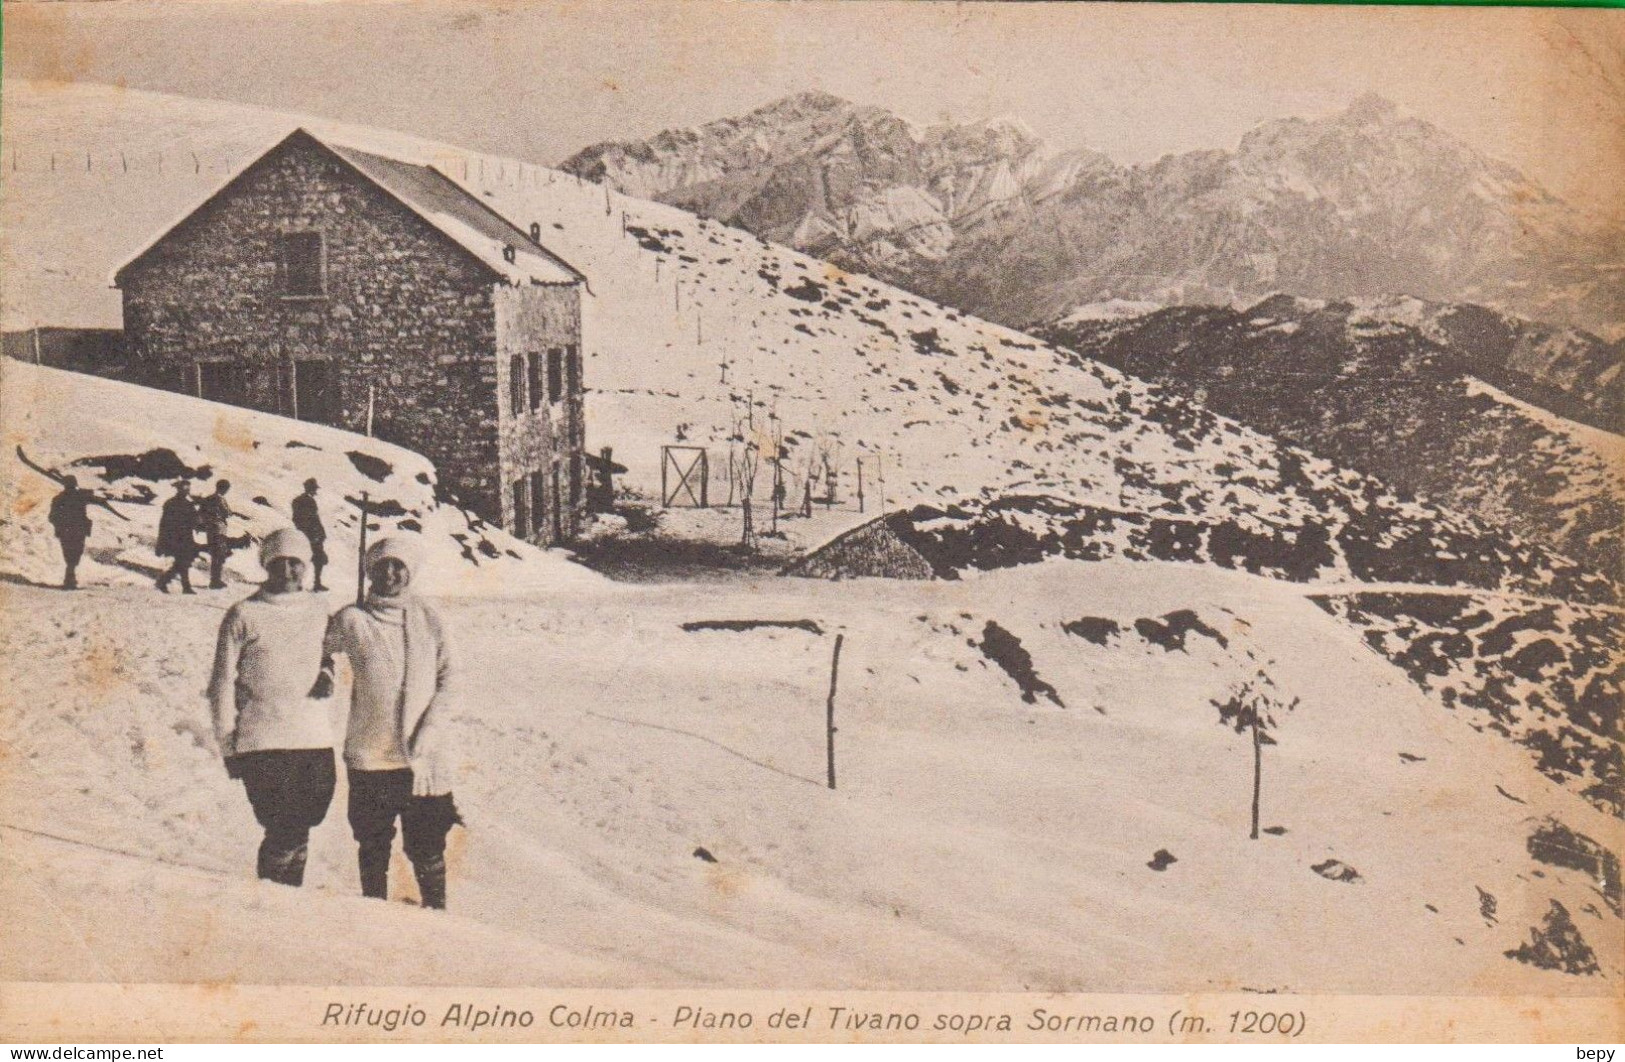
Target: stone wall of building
[
  {"x": 549, "y": 438},
  {"x": 405, "y": 315}
]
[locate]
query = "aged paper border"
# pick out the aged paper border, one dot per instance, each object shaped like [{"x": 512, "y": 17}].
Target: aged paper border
[
  {"x": 109, "y": 1013},
  {"x": 43, "y": 1012}
]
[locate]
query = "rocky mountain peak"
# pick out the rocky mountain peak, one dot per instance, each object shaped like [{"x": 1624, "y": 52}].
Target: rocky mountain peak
[
  {"x": 800, "y": 104},
  {"x": 1371, "y": 108}
]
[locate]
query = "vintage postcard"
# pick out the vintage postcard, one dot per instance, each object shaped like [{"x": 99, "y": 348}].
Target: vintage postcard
[{"x": 811, "y": 522}]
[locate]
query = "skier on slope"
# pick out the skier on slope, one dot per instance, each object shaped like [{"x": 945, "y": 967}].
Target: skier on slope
[
  {"x": 274, "y": 735},
  {"x": 396, "y": 750},
  {"x": 71, "y": 524}
]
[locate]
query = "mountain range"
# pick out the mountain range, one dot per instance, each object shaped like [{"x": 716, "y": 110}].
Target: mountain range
[{"x": 989, "y": 218}]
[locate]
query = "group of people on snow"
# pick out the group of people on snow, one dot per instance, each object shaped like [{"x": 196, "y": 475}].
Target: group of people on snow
[
  {"x": 272, "y": 681},
  {"x": 178, "y": 526},
  {"x": 180, "y": 522},
  {"x": 183, "y": 517}
]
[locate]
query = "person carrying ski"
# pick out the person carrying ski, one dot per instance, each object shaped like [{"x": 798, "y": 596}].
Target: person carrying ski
[
  {"x": 177, "y": 537},
  {"x": 308, "y": 519},
  {"x": 71, "y": 523},
  {"x": 396, "y": 750},
  {"x": 214, "y": 513},
  {"x": 272, "y": 732}
]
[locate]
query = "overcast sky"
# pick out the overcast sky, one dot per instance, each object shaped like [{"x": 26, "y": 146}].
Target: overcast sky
[{"x": 1544, "y": 90}]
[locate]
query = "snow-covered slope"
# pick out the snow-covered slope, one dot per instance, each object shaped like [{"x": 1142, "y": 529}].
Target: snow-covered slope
[
  {"x": 979, "y": 837},
  {"x": 131, "y": 443}
]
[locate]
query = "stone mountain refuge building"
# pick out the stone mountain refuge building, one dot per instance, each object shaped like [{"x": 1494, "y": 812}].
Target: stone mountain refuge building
[{"x": 343, "y": 287}]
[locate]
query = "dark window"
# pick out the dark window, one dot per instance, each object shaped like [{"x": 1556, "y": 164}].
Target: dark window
[
  {"x": 572, "y": 361},
  {"x": 556, "y": 506},
  {"x": 302, "y": 264},
  {"x": 535, "y": 380},
  {"x": 521, "y": 510},
  {"x": 286, "y": 403},
  {"x": 555, "y": 374},
  {"x": 516, "y": 384},
  {"x": 575, "y": 479},
  {"x": 538, "y": 491},
  {"x": 316, "y": 392},
  {"x": 223, "y": 381}
]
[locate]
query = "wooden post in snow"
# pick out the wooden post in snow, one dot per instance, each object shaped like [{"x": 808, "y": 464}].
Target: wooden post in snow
[
  {"x": 361, "y": 557},
  {"x": 1258, "y": 771},
  {"x": 829, "y": 708},
  {"x": 860, "y": 484}
]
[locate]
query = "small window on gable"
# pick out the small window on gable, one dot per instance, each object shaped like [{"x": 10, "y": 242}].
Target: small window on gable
[
  {"x": 555, "y": 374},
  {"x": 516, "y": 384},
  {"x": 303, "y": 264}
]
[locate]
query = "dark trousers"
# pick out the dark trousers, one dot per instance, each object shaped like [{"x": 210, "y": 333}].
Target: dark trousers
[
  {"x": 219, "y": 549},
  {"x": 181, "y": 569},
  {"x": 377, "y": 799},
  {"x": 73, "y": 550},
  {"x": 290, "y": 790},
  {"x": 318, "y": 561}
]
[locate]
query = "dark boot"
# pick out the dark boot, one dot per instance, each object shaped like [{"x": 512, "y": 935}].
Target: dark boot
[
  {"x": 374, "y": 876},
  {"x": 282, "y": 860},
  {"x": 293, "y": 867},
  {"x": 431, "y": 875}
]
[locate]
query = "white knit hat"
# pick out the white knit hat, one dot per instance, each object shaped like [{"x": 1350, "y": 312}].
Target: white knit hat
[
  {"x": 284, "y": 542},
  {"x": 397, "y": 548}
]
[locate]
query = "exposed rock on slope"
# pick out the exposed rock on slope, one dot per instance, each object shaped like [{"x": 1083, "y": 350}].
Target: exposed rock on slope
[{"x": 1402, "y": 390}]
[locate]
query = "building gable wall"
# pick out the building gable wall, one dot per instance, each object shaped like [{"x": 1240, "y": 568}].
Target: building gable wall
[{"x": 545, "y": 437}]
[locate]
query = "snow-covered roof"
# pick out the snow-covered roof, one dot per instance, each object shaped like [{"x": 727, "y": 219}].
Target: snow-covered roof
[
  {"x": 452, "y": 210},
  {"x": 459, "y": 214}
]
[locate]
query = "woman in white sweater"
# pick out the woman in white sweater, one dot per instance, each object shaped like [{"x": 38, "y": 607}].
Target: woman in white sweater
[
  {"x": 273, "y": 733},
  {"x": 396, "y": 754}
]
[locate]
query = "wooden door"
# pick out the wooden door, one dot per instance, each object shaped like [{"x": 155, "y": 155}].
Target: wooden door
[{"x": 316, "y": 392}]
